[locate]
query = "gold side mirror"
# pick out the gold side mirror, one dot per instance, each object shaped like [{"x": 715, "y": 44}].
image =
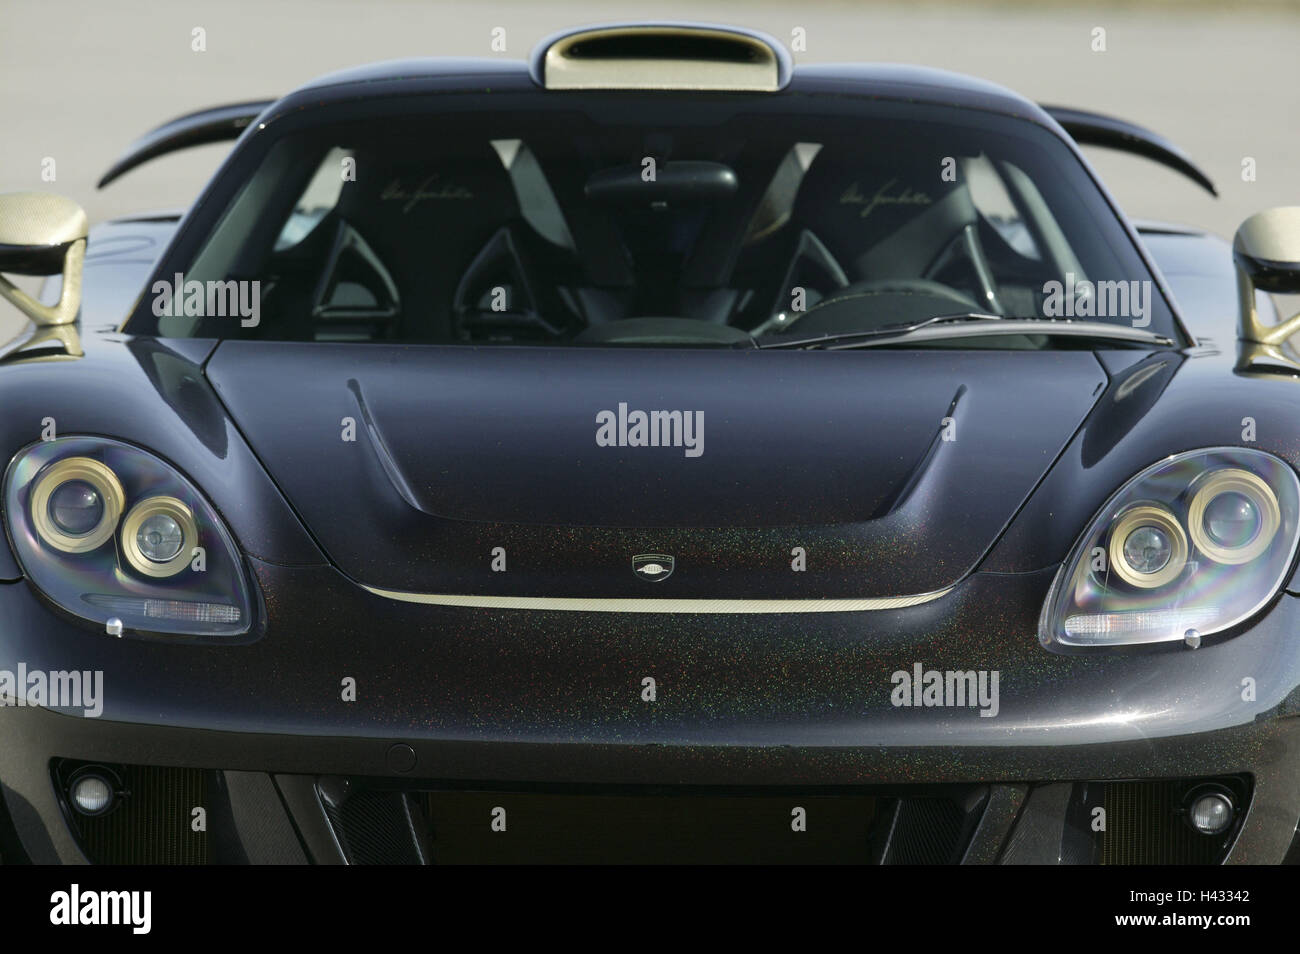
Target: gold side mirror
[
  {"x": 1267, "y": 253},
  {"x": 42, "y": 234}
]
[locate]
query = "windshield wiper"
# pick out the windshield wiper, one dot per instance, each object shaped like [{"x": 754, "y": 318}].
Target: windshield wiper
[
  {"x": 974, "y": 324},
  {"x": 884, "y": 331}
]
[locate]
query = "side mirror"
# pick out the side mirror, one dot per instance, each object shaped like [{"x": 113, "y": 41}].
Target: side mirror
[
  {"x": 1267, "y": 253},
  {"x": 42, "y": 234}
]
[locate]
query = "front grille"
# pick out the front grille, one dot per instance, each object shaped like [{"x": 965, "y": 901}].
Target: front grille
[
  {"x": 381, "y": 821},
  {"x": 151, "y": 819},
  {"x": 376, "y": 823},
  {"x": 648, "y": 829}
]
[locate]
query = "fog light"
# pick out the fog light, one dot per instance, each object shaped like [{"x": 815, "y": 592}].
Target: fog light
[
  {"x": 1211, "y": 812},
  {"x": 92, "y": 794}
]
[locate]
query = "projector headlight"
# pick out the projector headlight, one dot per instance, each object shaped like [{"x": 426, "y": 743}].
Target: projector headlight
[
  {"x": 76, "y": 503},
  {"x": 1233, "y": 516},
  {"x": 168, "y": 566},
  {"x": 158, "y": 536},
  {"x": 1198, "y": 542}
]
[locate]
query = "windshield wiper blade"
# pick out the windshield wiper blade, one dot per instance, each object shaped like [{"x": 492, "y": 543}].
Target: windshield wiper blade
[
  {"x": 884, "y": 331},
  {"x": 975, "y": 324},
  {"x": 1094, "y": 330}
]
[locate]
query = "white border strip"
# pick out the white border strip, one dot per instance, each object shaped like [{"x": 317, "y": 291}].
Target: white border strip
[{"x": 565, "y": 604}]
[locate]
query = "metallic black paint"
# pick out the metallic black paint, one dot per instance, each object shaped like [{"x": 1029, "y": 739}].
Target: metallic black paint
[
  {"x": 839, "y": 453},
  {"x": 554, "y": 698}
]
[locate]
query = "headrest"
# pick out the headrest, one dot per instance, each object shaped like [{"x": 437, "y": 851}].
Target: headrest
[
  {"x": 883, "y": 217},
  {"x": 410, "y": 194}
]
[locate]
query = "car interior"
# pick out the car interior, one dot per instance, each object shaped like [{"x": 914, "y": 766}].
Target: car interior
[{"x": 597, "y": 234}]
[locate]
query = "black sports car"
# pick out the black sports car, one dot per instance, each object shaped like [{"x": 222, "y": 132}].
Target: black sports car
[{"x": 650, "y": 452}]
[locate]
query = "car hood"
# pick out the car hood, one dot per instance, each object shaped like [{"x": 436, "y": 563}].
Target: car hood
[{"x": 518, "y": 471}]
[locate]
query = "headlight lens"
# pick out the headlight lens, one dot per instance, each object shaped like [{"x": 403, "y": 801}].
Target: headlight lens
[
  {"x": 168, "y": 566},
  {"x": 76, "y": 507},
  {"x": 1200, "y": 541},
  {"x": 1233, "y": 516},
  {"x": 158, "y": 536},
  {"x": 75, "y": 504},
  {"x": 1148, "y": 547}
]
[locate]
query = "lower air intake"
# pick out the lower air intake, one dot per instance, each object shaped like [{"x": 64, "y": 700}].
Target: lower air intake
[
  {"x": 1146, "y": 825},
  {"x": 150, "y": 819}
]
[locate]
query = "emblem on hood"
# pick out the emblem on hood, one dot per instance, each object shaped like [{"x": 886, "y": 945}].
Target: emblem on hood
[{"x": 654, "y": 567}]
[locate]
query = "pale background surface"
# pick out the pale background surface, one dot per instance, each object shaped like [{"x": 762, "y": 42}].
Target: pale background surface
[{"x": 79, "y": 81}]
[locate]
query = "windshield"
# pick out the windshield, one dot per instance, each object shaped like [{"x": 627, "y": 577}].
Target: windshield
[{"x": 621, "y": 219}]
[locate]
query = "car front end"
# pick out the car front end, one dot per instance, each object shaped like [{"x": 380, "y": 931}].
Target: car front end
[{"x": 465, "y": 539}]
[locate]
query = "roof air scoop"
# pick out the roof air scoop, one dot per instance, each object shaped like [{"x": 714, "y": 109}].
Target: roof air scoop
[{"x": 661, "y": 56}]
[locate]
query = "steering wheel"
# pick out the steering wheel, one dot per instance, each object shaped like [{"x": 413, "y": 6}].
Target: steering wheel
[{"x": 868, "y": 305}]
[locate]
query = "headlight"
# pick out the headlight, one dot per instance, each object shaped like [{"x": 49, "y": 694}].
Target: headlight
[
  {"x": 76, "y": 503},
  {"x": 1190, "y": 547},
  {"x": 106, "y": 530},
  {"x": 158, "y": 536}
]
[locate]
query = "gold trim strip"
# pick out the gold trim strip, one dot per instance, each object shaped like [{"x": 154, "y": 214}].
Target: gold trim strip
[{"x": 564, "y": 604}]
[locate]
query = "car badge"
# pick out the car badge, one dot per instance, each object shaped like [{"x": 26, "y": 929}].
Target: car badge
[{"x": 653, "y": 567}]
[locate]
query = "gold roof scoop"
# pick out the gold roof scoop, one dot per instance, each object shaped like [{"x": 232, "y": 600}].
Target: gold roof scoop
[{"x": 680, "y": 56}]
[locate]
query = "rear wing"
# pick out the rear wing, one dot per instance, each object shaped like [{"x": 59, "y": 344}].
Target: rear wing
[
  {"x": 223, "y": 123},
  {"x": 1094, "y": 129},
  {"x": 218, "y": 124}
]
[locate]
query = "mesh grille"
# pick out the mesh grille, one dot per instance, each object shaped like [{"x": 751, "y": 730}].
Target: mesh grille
[
  {"x": 927, "y": 831},
  {"x": 375, "y": 828},
  {"x": 1144, "y": 827},
  {"x": 150, "y": 823}
]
